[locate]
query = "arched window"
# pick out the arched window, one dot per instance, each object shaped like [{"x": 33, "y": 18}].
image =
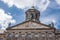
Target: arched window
[
  {"x": 36, "y": 16},
  {"x": 43, "y": 36},
  {"x": 28, "y": 37},
  {"x": 36, "y": 36},
  {"x": 9, "y": 36},
  {"x": 22, "y": 36},
  {"x": 50, "y": 36},
  {"x": 31, "y": 16},
  {"x": 16, "y": 36}
]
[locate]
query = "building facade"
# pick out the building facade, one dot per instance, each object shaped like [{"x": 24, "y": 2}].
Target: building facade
[{"x": 31, "y": 29}]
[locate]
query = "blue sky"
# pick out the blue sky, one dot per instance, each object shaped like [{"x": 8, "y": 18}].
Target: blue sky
[{"x": 13, "y": 11}]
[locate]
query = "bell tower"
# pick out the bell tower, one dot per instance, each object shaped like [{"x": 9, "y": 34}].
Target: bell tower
[{"x": 32, "y": 14}]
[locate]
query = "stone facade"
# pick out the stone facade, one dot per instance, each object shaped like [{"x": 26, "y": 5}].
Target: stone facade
[{"x": 31, "y": 29}]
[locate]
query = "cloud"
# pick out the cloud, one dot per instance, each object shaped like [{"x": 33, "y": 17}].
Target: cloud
[
  {"x": 54, "y": 4},
  {"x": 5, "y": 19},
  {"x": 9, "y": 2},
  {"x": 49, "y": 19},
  {"x": 58, "y": 2},
  {"x": 19, "y": 3},
  {"x": 41, "y": 4}
]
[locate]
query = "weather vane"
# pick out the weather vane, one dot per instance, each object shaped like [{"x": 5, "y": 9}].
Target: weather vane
[{"x": 33, "y": 5}]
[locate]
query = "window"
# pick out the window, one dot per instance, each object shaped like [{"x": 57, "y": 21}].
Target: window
[
  {"x": 28, "y": 37},
  {"x": 9, "y": 36},
  {"x": 36, "y": 16},
  {"x": 22, "y": 37},
  {"x": 36, "y": 37},
  {"x": 16, "y": 35},
  {"x": 57, "y": 37},
  {"x": 43, "y": 35},
  {"x": 31, "y": 16},
  {"x": 50, "y": 36}
]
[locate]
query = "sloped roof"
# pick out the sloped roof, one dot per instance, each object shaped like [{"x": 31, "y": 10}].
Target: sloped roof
[
  {"x": 1, "y": 31},
  {"x": 29, "y": 21}
]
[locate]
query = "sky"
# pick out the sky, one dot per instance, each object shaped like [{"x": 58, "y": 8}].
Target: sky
[{"x": 13, "y": 11}]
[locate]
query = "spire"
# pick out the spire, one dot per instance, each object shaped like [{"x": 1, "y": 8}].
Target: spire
[{"x": 33, "y": 5}]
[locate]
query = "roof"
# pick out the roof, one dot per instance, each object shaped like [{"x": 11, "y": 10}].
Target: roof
[
  {"x": 33, "y": 9},
  {"x": 29, "y": 21},
  {"x": 2, "y": 31}
]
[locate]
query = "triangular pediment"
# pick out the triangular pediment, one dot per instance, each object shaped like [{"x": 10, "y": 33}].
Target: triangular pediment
[{"x": 29, "y": 25}]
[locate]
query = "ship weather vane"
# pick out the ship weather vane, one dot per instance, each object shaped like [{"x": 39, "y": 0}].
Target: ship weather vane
[{"x": 34, "y": 3}]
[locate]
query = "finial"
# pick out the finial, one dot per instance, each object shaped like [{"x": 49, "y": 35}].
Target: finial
[{"x": 33, "y": 5}]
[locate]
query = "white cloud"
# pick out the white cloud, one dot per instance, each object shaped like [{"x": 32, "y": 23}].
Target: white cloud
[
  {"x": 41, "y": 4},
  {"x": 47, "y": 20},
  {"x": 19, "y": 3},
  {"x": 58, "y": 2},
  {"x": 5, "y": 19},
  {"x": 48, "y": 17},
  {"x": 9, "y": 2},
  {"x": 54, "y": 4}
]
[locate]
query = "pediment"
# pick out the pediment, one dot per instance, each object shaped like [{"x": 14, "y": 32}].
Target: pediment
[{"x": 29, "y": 25}]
